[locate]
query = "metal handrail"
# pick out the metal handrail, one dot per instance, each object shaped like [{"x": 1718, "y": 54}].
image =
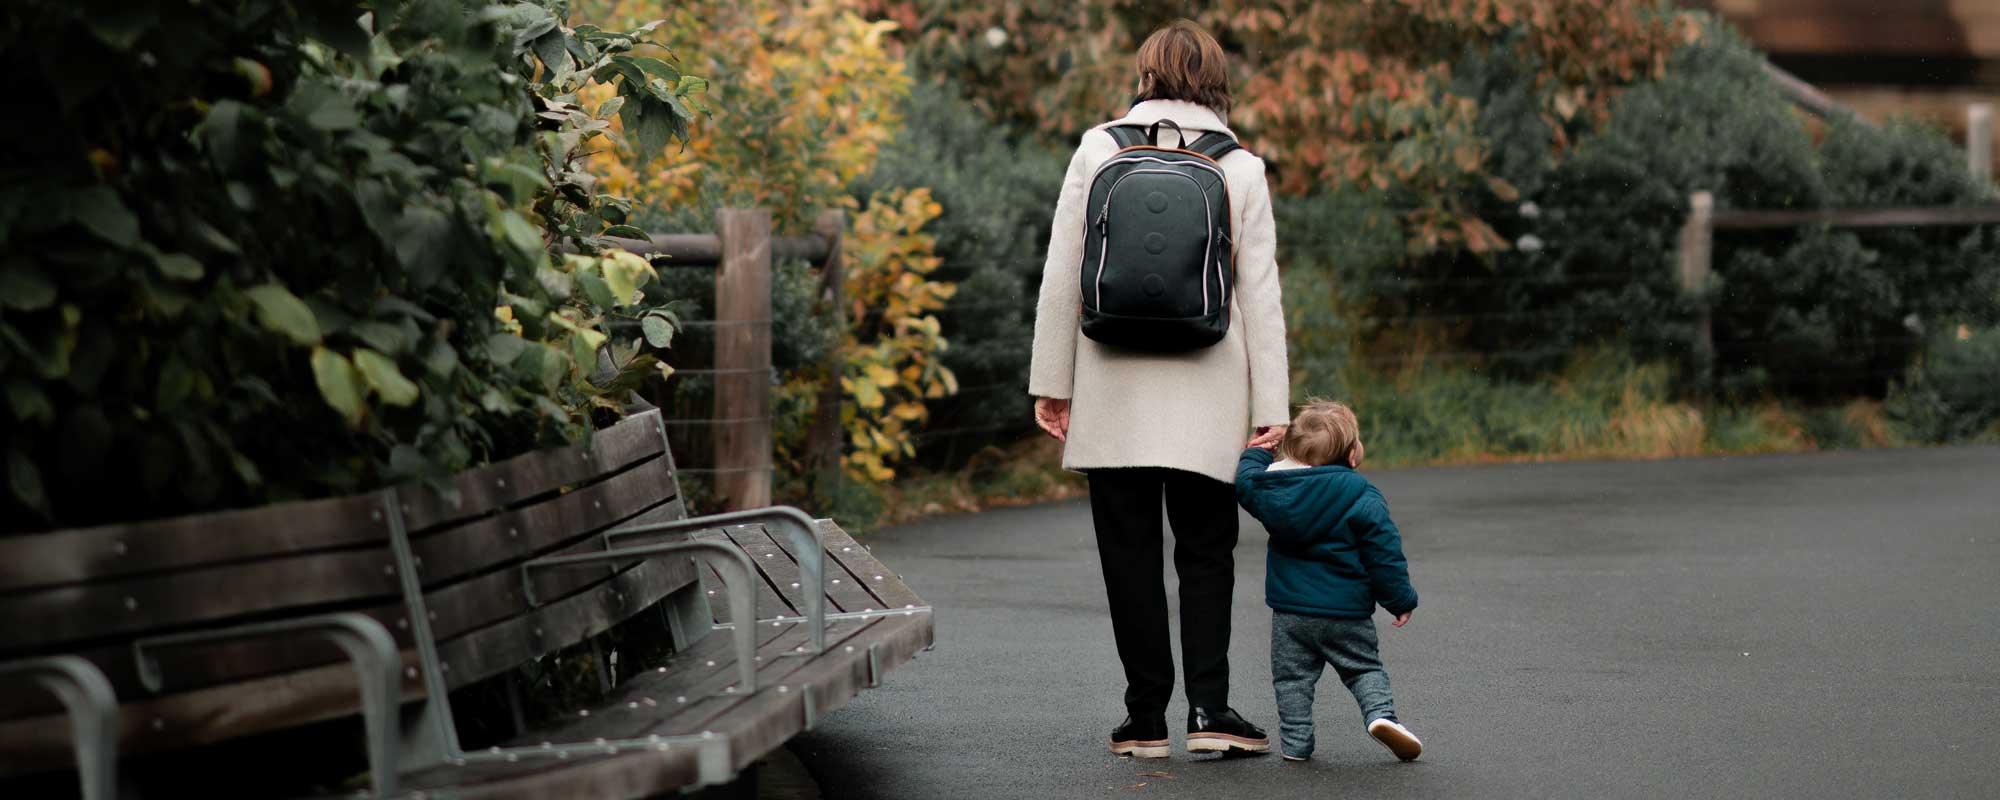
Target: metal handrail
[
  {"x": 366, "y": 643},
  {"x": 728, "y": 560},
  {"x": 797, "y": 525},
  {"x": 93, "y": 716}
]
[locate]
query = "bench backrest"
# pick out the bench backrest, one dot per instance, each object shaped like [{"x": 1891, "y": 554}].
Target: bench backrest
[{"x": 94, "y": 592}]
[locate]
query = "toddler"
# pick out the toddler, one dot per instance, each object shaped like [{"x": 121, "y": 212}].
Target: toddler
[{"x": 1334, "y": 556}]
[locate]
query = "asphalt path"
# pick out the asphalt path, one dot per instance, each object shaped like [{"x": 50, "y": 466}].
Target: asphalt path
[{"x": 1816, "y": 625}]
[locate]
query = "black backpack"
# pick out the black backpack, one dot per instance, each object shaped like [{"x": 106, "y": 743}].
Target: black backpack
[{"x": 1158, "y": 258}]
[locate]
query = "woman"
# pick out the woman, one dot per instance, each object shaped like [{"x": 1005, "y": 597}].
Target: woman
[{"x": 1146, "y": 426}]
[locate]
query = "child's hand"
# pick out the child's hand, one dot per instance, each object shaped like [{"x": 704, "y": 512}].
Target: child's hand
[
  {"x": 1268, "y": 438},
  {"x": 1402, "y": 618}
]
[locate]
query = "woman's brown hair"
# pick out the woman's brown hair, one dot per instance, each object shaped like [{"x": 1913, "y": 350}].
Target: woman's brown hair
[{"x": 1183, "y": 62}]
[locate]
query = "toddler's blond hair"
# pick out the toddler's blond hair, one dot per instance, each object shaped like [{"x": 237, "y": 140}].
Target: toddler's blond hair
[{"x": 1323, "y": 433}]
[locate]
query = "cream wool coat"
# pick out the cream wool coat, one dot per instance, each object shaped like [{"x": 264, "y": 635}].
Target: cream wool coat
[{"x": 1191, "y": 411}]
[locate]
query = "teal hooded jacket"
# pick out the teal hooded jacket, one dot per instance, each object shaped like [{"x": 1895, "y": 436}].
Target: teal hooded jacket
[{"x": 1334, "y": 551}]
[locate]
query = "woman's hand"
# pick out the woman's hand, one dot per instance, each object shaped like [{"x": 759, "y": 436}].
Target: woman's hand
[
  {"x": 1052, "y": 415},
  {"x": 1268, "y": 438}
]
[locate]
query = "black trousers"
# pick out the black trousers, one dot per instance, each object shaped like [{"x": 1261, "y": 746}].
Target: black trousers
[{"x": 1125, "y": 504}]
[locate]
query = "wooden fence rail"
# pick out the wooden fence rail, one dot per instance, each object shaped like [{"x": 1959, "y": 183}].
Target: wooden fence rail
[
  {"x": 742, "y": 250},
  {"x": 1697, "y": 246}
]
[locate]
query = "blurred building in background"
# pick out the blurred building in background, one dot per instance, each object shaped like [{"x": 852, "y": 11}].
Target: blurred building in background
[{"x": 1930, "y": 58}]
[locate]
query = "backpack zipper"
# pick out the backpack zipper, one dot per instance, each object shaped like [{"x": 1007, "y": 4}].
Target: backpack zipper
[{"x": 1104, "y": 230}]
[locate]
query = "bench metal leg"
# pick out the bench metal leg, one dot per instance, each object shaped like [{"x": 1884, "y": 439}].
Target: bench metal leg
[
  {"x": 797, "y": 525},
  {"x": 689, "y": 616},
  {"x": 93, "y": 716},
  {"x": 728, "y": 560},
  {"x": 366, "y": 643}
]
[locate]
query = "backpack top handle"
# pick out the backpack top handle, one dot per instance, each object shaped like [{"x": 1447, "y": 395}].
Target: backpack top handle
[{"x": 1153, "y": 133}]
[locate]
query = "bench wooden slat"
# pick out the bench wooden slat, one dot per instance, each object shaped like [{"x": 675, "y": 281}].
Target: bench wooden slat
[
  {"x": 92, "y": 554},
  {"x": 75, "y": 613},
  {"x": 775, "y": 566},
  {"x": 186, "y": 669},
  {"x": 842, "y": 586},
  {"x": 529, "y": 531},
  {"x": 777, "y": 669},
  {"x": 754, "y": 725},
  {"x": 766, "y": 720},
  {"x": 497, "y": 648},
  {"x": 769, "y": 602},
  {"x": 880, "y": 581},
  {"x": 615, "y": 720},
  {"x": 688, "y": 675},
  {"x": 487, "y": 489},
  {"x": 200, "y": 717}
]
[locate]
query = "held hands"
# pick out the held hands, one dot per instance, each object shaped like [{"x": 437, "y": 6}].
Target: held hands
[
  {"x": 1401, "y": 618},
  {"x": 1052, "y": 415},
  {"x": 1268, "y": 438}
]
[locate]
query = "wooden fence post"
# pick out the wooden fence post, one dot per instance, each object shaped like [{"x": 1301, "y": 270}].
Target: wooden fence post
[
  {"x": 824, "y": 441},
  {"x": 1697, "y": 250},
  {"x": 743, "y": 359},
  {"x": 1979, "y": 141}
]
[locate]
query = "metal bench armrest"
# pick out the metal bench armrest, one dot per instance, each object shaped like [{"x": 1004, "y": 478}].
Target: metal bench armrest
[
  {"x": 728, "y": 560},
  {"x": 797, "y": 525},
  {"x": 93, "y": 716},
  {"x": 367, "y": 644}
]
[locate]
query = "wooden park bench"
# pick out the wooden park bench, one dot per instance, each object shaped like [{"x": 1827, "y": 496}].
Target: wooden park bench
[{"x": 201, "y": 629}]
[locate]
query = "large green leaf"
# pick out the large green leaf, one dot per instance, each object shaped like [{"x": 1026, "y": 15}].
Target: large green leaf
[
  {"x": 382, "y": 375},
  {"x": 100, "y": 210},
  {"x": 29, "y": 402},
  {"x": 176, "y": 383},
  {"x": 381, "y": 336},
  {"x": 624, "y": 273},
  {"x": 658, "y": 68},
  {"x": 659, "y": 333},
  {"x": 325, "y": 107},
  {"x": 339, "y": 384},
  {"x": 337, "y": 24},
  {"x": 424, "y": 239},
  {"x": 24, "y": 287},
  {"x": 504, "y": 348},
  {"x": 594, "y": 288},
  {"x": 221, "y": 131},
  {"x": 653, "y": 121},
  {"x": 551, "y": 48},
  {"x": 120, "y": 24},
  {"x": 281, "y": 311},
  {"x": 517, "y": 232},
  {"x": 179, "y": 266},
  {"x": 26, "y": 481}
]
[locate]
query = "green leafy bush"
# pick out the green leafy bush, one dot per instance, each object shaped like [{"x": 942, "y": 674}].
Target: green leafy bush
[
  {"x": 1338, "y": 251},
  {"x": 253, "y": 250},
  {"x": 998, "y": 191},
  {"x": 1950, "y": 393},
  {"x": 1813, "y": 313}
]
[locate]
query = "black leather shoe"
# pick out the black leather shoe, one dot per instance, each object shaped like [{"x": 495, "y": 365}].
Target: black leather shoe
[
  {"x": 1223, "y": 731},
  {"x": 1145, "y": 737}
]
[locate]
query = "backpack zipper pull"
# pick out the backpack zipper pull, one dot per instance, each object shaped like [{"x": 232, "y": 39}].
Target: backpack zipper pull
[{"x": 1104, "y": 221}]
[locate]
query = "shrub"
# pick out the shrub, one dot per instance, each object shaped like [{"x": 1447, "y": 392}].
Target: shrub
[
  {"x": 997, "y": 190},
  {"x": 1812, "y": 313},
  {"x": 1335, "y": 249},
  {"x": 254, "y": 250},
  {"x": 1950, "y": 393}
]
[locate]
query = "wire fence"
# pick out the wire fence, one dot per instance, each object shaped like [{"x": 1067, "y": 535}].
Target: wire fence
[{"x": 1403, "y": 320}]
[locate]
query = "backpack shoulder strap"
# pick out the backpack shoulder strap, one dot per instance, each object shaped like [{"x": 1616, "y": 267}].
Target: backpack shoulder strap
[
  {"x": 1127, "y": 135},
  {"x": 1215, "y": 145}
]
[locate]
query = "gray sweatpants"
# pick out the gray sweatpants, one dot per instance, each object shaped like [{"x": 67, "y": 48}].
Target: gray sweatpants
[{"x": 1301, "y": 647}]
